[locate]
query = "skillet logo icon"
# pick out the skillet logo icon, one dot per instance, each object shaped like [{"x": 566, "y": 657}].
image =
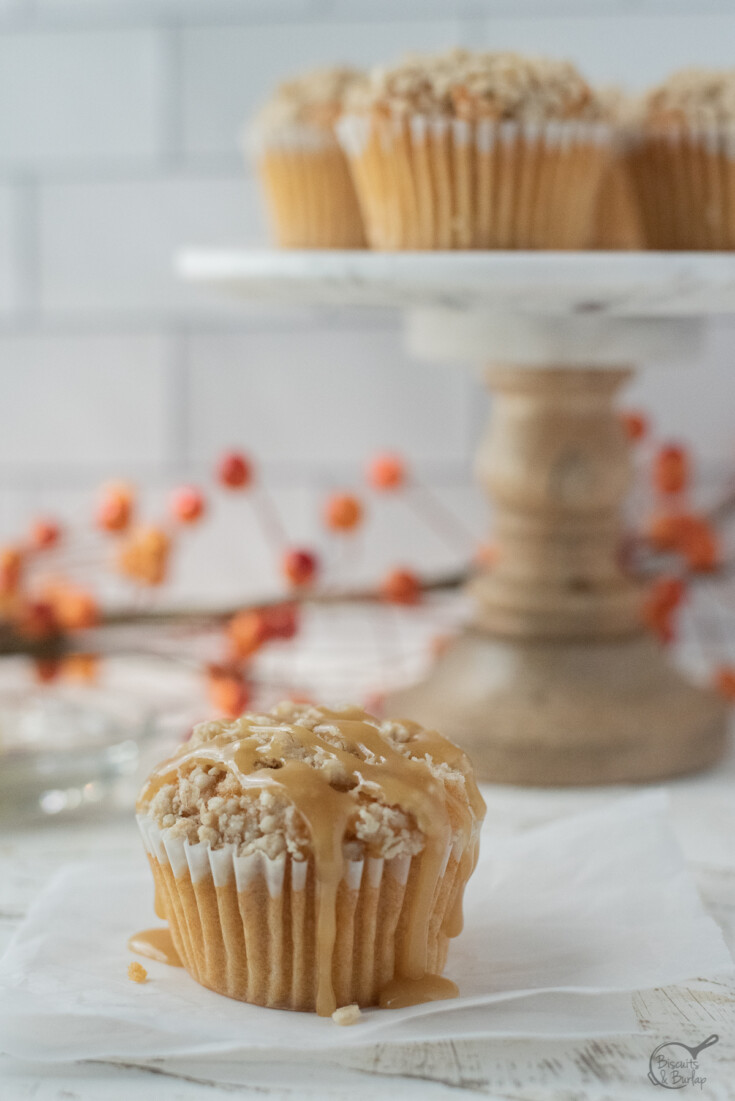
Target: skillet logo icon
[{"x": 674, "y": 1065}]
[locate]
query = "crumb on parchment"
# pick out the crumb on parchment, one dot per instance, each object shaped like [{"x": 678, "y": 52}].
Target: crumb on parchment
[
  {"x": 137, "y": 972},
  {"x": 347, "y": 1015}
]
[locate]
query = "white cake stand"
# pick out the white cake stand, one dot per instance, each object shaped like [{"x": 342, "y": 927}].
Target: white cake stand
[{"x": 553, "y": 681}]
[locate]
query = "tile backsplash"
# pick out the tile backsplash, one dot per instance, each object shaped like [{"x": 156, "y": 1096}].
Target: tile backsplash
[{"x": 120, "y": 141}]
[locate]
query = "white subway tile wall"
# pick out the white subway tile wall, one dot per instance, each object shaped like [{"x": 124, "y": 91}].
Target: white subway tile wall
[{"x": 121, "y": 139}]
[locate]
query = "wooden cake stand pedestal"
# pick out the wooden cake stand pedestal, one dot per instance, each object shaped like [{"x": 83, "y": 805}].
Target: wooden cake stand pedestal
[{"x": 553, "y": 681}]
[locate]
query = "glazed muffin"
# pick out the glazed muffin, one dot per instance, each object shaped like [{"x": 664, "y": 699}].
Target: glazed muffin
[
  {"x": 476, "y": 150},
  {"x": 304, "y": 174},
  {"x": 681, "y": 153},
  {"x": 310, "y": 859}
]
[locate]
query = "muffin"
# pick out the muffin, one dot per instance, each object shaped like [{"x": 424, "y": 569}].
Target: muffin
[
  {"x": 616, "y": 219},
  {"x": 681, "y": 153},
  {"x": 307, "y": 184},
  {"x": 476, "y": 150},
  {"x": 310, "y": 859}
]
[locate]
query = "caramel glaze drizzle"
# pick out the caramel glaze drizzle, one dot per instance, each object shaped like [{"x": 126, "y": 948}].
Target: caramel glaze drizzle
[
  {"x": 155, "y": 944},
  {"x": 329, "y": 811}
]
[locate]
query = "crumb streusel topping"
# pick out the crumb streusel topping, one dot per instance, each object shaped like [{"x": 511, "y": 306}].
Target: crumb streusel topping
[
  {"x": 199, "y": 796},
  {"x": 478, "y": 85},
  {"x": 313, "y": 98},
  {"x": 701, "y": 96}
]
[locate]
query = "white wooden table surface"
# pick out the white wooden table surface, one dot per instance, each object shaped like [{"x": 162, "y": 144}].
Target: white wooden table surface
[{"x": 703, "y": 810}]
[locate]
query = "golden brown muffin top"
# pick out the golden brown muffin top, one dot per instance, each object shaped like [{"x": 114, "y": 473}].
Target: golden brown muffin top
[
  {"x": 474, "y": 85},
  {"x": 694, "y": 96},
  {"x": 313, "y": 98},
  {"x": 277, "y": 782}
]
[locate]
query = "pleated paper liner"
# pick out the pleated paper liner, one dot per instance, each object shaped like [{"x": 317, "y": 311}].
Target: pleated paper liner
[
  {"x": 308, "y": 188},
  {"x": 684, "y": 180},
  {"x": 617, "y": 220},
  {"x": 246, "y": 926},
  {"x": 427, "y": 183}
]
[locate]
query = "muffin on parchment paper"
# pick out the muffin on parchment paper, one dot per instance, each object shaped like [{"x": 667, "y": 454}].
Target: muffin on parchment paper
[
  {"x": 310, "y": 859},
  {"x": 476, "y": 150},
  {"x": 681, "y": 154},
  {"x": 304, "y": 173}
]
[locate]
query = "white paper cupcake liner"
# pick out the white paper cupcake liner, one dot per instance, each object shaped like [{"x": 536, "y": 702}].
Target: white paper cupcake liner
[
  {"x": 308, "y": 187},
  {"x": 684, "y": 180},
  {"x": 426, "y": 182},
  {"x": 245, "y": 925}
]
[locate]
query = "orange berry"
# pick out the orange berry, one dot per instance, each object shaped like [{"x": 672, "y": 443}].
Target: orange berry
[
  {"x": 668, "y": 530},
  {"x": 724, "y": 681},
  {"x": 247, "y": 631},
  {"x": 300, "y": 567},
  {"x": 401, "y": 587},
  {"x": 11, "y": 570},
  {"x": 343, "y": 512},
  {"x": 701, "y": 546},
  {"x": 386, "y": 471},
  {"x": 228, "y": 691},
  {"x": 144, "y": 556},
  {"x": 115, "y": 509},
  {"x": 635, "y": 425},
  {"x": 45, "y": 534},
  {"x": 75, "y": 608},
  {"x": 661, "y": 601},
  {"x": 671, "y": 469},
  {"x": 81, "y": 667},
  {"x": 187, "y": 505},
  {"x": 234, "y": 470}
]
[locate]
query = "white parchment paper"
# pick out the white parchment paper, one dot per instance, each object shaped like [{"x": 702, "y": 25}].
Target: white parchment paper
[{"x": 561, "y": 923}]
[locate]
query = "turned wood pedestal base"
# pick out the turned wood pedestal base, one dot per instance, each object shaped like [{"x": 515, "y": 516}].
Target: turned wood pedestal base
[
  {"x": 555, "y": 681},
  {"x": 554, "y": 713}
]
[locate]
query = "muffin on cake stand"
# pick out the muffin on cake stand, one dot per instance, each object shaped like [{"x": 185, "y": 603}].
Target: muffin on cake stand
[{"x": 554, "y": 680}]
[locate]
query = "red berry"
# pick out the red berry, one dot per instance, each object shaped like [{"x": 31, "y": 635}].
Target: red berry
[
  {"x": 45, "y": 534},
  {"x": 247, "y": 631},
  {"x": 671, "y": 469},
  {"x": 37, "y": 620},
  {"x": 187, "y": 505},
  {"x": 282, "y": 620},
  {"x": 401, "y": 587},
  {"x": 343, "y": 512},
  {"x": 299, "y": 567},
  {"x": 234, "y": 470},
  {"x": 46, "y": 669},
  {"x": 386, "y": 472}
]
